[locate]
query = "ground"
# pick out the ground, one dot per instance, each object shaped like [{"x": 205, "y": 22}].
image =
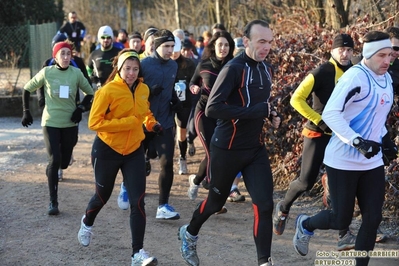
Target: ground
[{"x": 28, "y": 236}]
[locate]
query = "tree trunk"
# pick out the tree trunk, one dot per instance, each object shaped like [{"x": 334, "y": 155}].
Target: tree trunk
[
  {"x": 129, "y": 10},
  {"x": 217, "y": 8},
  {"x": 177, "y": 14}
]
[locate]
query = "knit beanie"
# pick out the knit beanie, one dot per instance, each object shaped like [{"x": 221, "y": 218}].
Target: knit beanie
[
  {"x": 105, "y": 31},
  {"x": 59, "y": 45},
  {"x": 343, "y": 40},
  {"x": 162, "y": 36}
]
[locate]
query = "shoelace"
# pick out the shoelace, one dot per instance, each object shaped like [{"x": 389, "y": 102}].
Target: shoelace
[
  {"x": 144, "y": 254},
  {"x": 87, "y": 232}
]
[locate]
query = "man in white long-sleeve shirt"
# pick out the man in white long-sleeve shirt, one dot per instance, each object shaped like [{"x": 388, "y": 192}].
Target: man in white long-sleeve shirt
[{"x": 356, "y": 113}]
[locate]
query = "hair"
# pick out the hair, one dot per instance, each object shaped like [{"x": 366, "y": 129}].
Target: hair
[
  {"x": 219, "y": 26},
  {"x": 209, "y": 50},
  {"x": 248, "y": 27},
  {"x": 207, "y": 34},
  {"x": 393, "y": 32},
  {"x": 115, "y": 65},
  {"x": 373, "y": 36}
]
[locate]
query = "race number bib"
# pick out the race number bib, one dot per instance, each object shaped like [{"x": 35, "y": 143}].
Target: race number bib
[
  {"x": 180, "y": 88},
  {"x": 64, "y": 92},
  {"x": 74, "y": 34}
]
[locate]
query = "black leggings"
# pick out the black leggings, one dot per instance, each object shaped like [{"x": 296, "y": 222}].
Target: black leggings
[
  {"x": 164, "y": 146},
  {"x": 369, "y": 188},
  {"x": 205, "y": 127},
  {"x": 134, "y": 179},
  {"x": 312, "y": 159},
  {"x": 59, "y": 144},
  {"x": 255, "y": 167}
]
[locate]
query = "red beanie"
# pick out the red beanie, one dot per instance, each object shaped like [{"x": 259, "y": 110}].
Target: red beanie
[{"x": 59, "y": 46}]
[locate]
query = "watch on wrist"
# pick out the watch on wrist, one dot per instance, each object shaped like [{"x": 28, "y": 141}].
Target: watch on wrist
[{"x": 356, "y": 142}]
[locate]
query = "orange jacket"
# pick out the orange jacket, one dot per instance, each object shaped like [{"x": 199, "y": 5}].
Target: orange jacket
[{"x": 118, "y": 116}]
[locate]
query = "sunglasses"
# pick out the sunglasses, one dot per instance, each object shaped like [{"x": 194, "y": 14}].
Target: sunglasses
[
  {"x": 105, "y": 37},
  {"x": 395, "y": 48}
]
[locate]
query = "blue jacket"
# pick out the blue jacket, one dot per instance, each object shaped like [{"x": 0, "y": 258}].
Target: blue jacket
[{"x": 159, "y": 72}]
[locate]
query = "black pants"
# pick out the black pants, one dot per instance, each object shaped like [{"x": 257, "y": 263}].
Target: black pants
[
  {"x": 369, "y": 188},
  {"x": 312, "y": 159},
  {"x": 134, "y": 179},
  {"x": 59, "y": 144},
  {"x": 205, "y": 127},
  {"x": 164, "y": 146},
  {"x": 255, "y": 167}
]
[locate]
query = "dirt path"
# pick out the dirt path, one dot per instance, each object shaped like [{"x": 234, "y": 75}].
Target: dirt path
[{"x": 28, "y": 236}]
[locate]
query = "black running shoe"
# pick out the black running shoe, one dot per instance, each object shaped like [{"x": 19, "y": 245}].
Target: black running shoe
[{"x": 53, "y": 208}]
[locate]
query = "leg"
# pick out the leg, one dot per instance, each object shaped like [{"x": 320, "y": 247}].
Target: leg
[
  {"x": 259, "y": 182},
  {"x": 312, "y": 159},
  {"x": 134, "y": 179},
  {"x": 69, "y": 138},
  {"x": 370, "y": 195},
  {"x": 105, "y": 172},
  {"x": 52, "y": 138}
]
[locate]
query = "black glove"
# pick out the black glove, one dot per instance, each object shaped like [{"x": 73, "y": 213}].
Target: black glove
[
  {"x": 27, "y": 119},
  {"x": 323, "y": 126},
  {"x": 158, "y": 129},
  {"x": 366, "y": 147},
  {"x": 77, "y": 115},
  {"x": 156, "y": 90},
  {"x": 176, "y": 106},
  {"x": 389, "y": 149}
]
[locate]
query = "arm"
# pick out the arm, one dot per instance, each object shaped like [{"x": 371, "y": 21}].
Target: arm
[
  {"x": 299, "y": 100},
  {"x": 194, "y": 84}
]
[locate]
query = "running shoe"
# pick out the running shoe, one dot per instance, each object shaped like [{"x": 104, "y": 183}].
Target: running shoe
[
  {"x": 302, "y": 236},
  {"x": 147, "y": 167},
  {"x": 222, "y": 210},
  {"x": 142, "y": 258},
  {"x": 167, "y": 212},
  {"x": 191, "y": 149},
  {"x": 60, "y": 175},
  {"x": 123, "y": 198},
  {"x": 182, "y": 166},
  {"x": 279, "y": 220},
  {"x": 84, "y": 234},
  {"x": 269, "y": 263},
  {"x": 346, "y": 242},
  {"x": 193, "y": 189},
  {"x": 188, "y": 246},
  {"x": 235, "y": 196},
  {"x": 53, "y": 208}
]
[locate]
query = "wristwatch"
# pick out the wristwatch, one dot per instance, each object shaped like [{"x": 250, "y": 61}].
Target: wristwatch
[{"x": 356, "y": 142}]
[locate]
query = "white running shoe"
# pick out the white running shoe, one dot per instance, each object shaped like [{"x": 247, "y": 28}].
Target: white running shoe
[
  {"x": 84, "y": 234},
  {"x": 167, "y": 212},
  {"x": 193, "y": 189},
  {"x": 182, "y": 166},
  {"x": 123, "y": 198},
  {"x": 60, "y": 175},
  {"x": 142, "y": 258},
  {"x": 302, "y": 236}
]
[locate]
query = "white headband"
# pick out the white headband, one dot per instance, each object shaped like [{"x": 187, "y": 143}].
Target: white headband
[{"x": 370, "y": 48}]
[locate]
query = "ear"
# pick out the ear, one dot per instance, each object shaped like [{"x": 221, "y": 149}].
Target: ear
[{"x": 245, "y": 41}]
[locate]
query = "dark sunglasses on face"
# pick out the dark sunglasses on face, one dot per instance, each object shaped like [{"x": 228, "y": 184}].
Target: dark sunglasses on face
[
  {"x": 395, "y": 48},
  {"x": 105, "y": 37}
]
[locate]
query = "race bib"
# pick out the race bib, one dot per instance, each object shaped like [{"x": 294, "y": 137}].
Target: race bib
[
  {"x": 74, "y": 34},
  {"x": 64, "y": 92},
  {"x": 180, "y": 88}
]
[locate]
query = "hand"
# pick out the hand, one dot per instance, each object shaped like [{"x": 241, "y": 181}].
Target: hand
[
  {"x": 158, "y": 129},
  {"x": 389, "y": 148},
  {"x": 195, "y": 89},
  {"x": 27, "y": 119},
  {"x": 275, "y": 119},
  {"x": 366, "y": 147},
  {"x": 323, "y": 126},
  {"x": 77, "y": 115},
  {"x": 156, "y": 90}
]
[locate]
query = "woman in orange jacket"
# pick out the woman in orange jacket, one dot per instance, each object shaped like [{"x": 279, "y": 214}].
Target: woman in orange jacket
[{"x": 119, "y": 110}]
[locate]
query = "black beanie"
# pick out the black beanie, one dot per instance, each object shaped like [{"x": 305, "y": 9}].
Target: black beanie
[
  {"x": 162, "y": 36},
  {"x": 343, "y": 40}
]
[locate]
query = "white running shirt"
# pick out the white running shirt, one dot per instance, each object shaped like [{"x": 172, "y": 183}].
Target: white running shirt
[{"x": 358, "y": 106}]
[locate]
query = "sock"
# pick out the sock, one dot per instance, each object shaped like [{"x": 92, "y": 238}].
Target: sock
[{"x": 183, "y": 148}]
